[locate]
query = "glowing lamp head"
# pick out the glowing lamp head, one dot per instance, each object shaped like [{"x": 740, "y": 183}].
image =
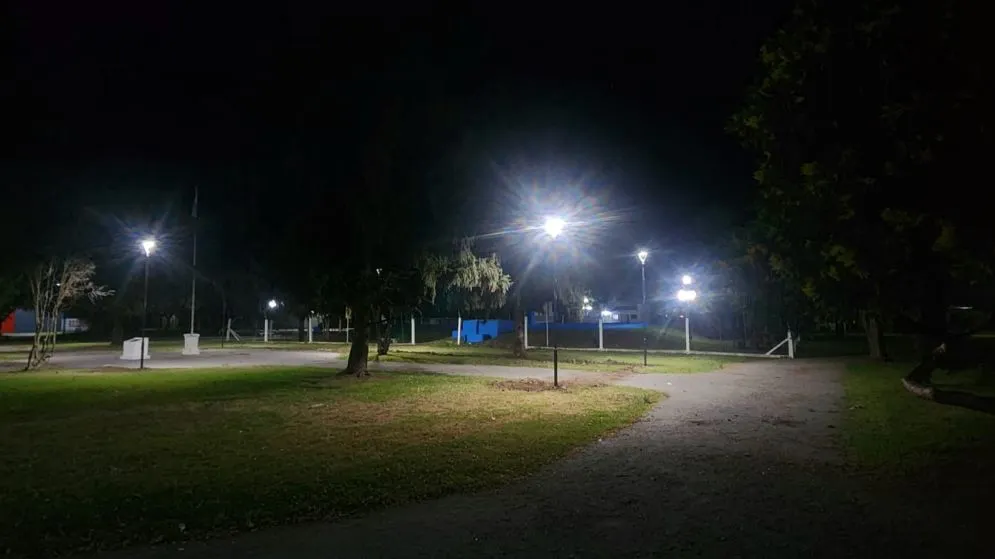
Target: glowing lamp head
[
  {"x": 554, "y": 226},
  {"x": 272, "y": 303},
  {"x": 148, "y": 245},
  {"x": 606, "y": 313},
  {"x": 643, "y": 255},
  {"x": 686, "y": 279},
  {"x": 686, "y": 295}
]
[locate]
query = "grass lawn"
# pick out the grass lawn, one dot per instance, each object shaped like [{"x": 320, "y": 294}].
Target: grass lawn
[
  {"x": 102, "y": 460},
  {"x": 608, "y": 361},
  {"x": 891, "y": 431}
]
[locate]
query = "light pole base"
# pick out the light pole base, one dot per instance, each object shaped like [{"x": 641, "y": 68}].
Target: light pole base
[{"x": 191, "y": 344}]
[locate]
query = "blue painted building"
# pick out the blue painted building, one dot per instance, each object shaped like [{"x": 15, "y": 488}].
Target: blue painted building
[{"x": 476, "y": 331}]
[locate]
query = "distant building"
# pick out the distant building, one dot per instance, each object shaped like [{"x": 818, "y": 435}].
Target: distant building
[{"x": 21, "y": 322}]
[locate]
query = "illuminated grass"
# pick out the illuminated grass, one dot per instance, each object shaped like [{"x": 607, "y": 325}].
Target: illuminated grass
[{"x": 100, "y": 460}]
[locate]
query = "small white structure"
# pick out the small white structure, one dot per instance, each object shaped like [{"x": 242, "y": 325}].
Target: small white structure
[
  {"x": 191, "y": 345},
  {"x": 133, "y": 349}
]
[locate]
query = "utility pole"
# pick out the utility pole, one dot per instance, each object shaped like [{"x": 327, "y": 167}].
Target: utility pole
[{"x": 191, "y": 341}]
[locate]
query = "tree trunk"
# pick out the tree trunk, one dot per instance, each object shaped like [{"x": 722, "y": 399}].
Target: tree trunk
[
  {"x": 875, "y": 336},
  {"x": 360, "y": 351},
  {"x": 519, "y": 348},
  {"x": 384, "y": 327}
]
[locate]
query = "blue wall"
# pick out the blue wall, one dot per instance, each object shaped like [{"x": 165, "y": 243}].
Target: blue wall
[{"x": 476, "y": 331}]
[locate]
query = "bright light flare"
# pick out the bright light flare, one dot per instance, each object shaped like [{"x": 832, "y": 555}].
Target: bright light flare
[
  {"x": 272, "y": 303},
  {"x": 554, "y": 226},
  {"x": 148, "y": 245},
  {"x": 687, "y": 295},
  {"x": 643, "y": 255},
  {"x": 686, "y": 279},
  {"x": 606, "y": 313}
]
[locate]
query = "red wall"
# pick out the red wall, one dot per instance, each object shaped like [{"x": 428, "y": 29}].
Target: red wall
[{"x": 7, "y": 326}]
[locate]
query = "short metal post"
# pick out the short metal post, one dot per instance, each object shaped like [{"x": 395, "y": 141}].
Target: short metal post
[
  {"x": 459, "y": 329},
  {"x": 412, "y": 330},
  {"x": 526, "y": 331},
  {"x": 556, "y": 367},
  {"x": 791, "y": 346},
  {"x": 265, "y": 329},
  {"x": 310, "y": 331},
  {"x": 601, "y": 334},
  {"x": 645, "y": 350}
]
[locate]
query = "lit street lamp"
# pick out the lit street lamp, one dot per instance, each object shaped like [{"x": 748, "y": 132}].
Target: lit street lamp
[
  {"x": 643, "y": 254},
  {"x": 148, "y": 245},
  {"x": 271, "y": 305},
  {"x": 687, "y": 296},
  {"x": 553, "y": 227}
]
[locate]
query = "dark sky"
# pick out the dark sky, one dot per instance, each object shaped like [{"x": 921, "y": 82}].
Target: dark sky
[{"x": 627, "y": 105}]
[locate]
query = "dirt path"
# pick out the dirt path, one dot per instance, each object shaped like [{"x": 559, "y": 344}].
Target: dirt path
[{"x": 738, "y": 463}]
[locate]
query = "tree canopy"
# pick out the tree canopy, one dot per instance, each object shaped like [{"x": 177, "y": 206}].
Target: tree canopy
[{"x": 872, "y": 122}]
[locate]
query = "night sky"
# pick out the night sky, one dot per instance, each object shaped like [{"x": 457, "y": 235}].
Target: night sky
[{"x": 143, "y": 100}]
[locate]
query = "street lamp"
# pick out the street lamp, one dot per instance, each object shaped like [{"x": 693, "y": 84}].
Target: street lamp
[
  {"x": 687, "y": 296},
  {"x": 553, "y": 227},
  {"x": 148, "y": 245},
  {"x": 643, "y": 254},
  {"x": 271, "y": 305}
]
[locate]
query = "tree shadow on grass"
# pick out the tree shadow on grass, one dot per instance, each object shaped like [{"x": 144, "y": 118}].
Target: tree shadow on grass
[
  {"x": 963, "y": 399},
  {"x": 959, "y": 398}
]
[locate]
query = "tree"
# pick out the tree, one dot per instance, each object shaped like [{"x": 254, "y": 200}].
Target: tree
[
  {"x": 471, "y": 283},
  {"x": 872, "y": 123},
  {"x": 56, "y": 284}
]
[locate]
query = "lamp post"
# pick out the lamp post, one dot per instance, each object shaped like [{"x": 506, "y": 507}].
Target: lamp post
[
  {"x": 554, "y": 228},
  {"x": 643, "y": 255},
  {"x": 686, "y": 296},
  {"x": 272, "y": 304},
  {"x": 148, "y": 245}
]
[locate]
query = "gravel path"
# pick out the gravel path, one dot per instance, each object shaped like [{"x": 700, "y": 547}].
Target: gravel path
[{"x": 737, "y": 463}]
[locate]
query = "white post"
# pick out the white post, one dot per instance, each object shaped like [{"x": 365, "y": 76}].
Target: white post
[
  {"x": 310, "y": 330},
  {"x": 459, "y": 329},
  {"x": 526, "y": 326},
  {"x": 347, "y": 329},
  {"x": 791, "y": 346},
  {"x": 228, "y": 331},
  {"x": 687, "y": 333},
  {"x": 601, "y": 334},
  {"x": 412, "y": 329},
  {"x": 265, "y": 329}
]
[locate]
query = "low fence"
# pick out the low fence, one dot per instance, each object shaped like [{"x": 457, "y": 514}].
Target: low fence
[{"x": 642, "y": 337}]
